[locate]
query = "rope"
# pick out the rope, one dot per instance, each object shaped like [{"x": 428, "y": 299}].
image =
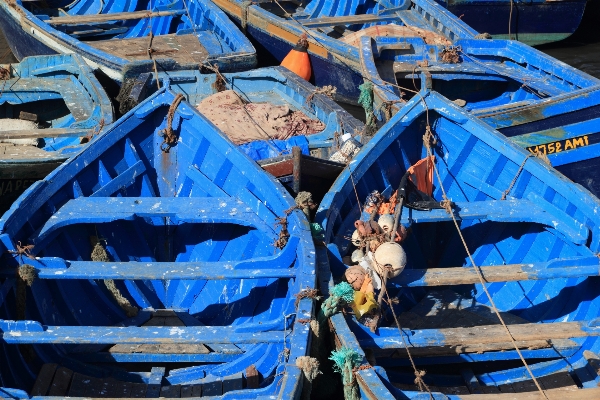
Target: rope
[
  {"x": 345, "y": 361},
  {"x": 510, "y": 20},
  {"x": 483, "y": 35},
  {"x": 505, "y": 193},
  {"x": 169, "y": 138},
  {"x": 327, "y": 90},
  {"x": 476, "y": 268},
  {"x": 366, "y": 101},
  {"x": 340, "y": 295},
  {"x": 356, "y": 193},
  {"x": 419, "y": 374},
  {"x": 310, "y": 371},
  {"x": 306, "y": 294}
]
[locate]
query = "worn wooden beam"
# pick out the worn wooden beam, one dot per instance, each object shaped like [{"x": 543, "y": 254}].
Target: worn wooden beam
[
  {"x": 43, "y": 133},
  {"x": 32, "y": 332},
  {"x": 552, "y": 394},
  {"x": 80, "y": 19},
  {"x": 569, "y": 268},
  {"x": 346, "y": 20},
  {"x": 258, "y": 268},
  {"x": 480, "y": 335}
]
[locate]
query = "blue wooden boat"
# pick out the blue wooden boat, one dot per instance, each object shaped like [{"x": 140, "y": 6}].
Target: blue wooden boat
[
  {"x": 533, "y": 22},
  {"x": 164, "y": 262},
  {"x": 48, "y": 105},
  {"x": 307, "y": 170},
  {"x": 540, "y": 103},
  {"x": 125, "y": 38},
  {"x": 515, "y": 214},
  {"x": 335, "y": 60}
]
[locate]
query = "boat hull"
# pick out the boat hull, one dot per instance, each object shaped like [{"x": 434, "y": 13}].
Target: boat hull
[
  {"x": 190, "y": 232},
  {"x": 476, "y": 165},
  {"x": 533, "y": 23},
  {"x": 16, "y": 177},
  {"x": 333, "y": 62},
  {"x": 28, "y": 35}
]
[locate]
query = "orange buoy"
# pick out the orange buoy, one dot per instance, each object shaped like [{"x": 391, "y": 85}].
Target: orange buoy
[{"x": 297, "y": 59}]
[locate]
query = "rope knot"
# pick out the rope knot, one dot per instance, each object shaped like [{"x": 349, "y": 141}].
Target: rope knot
[
  {"x": 169, "y": 137},
  {"x": 306, "y": 293},
  {"x": 428, "y": 139}
]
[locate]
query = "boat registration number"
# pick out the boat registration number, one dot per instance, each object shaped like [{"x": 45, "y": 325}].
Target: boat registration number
[
  {"x": 560, "y": 145},
  {"x": 14, "y": 185}
]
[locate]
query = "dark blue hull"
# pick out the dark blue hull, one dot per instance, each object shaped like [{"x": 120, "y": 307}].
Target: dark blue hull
[
  {"x": 324, "y": 71},
  {"x": 532, "y": 22},
  {"x": 20, "y": 42}
]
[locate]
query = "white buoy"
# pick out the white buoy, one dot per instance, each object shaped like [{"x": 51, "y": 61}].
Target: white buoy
[
  {"x": 356, "y": 240},
  {"x": 391, "y": 255},
  {"x": 386, "y": 222},
  {"x": 357, "y": 255}
]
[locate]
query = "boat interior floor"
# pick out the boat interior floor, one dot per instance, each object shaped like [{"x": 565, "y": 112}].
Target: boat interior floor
[
  {"x": 87, "y": 370},
  {"x": 183, "y": 49},
  {"x": 560, "y": 380},
  {"x": 10, "y": 151},
  {"x": 448, "y": 309}
]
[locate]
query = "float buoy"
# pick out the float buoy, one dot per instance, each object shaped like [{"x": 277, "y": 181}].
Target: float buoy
[
  {"x": 390, "y": 255},
  {"x": 297, "y": 59}
]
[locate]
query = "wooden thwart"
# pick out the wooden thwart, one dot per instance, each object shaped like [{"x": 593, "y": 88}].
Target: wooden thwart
[
  {"x": 80, "y": 19},
  {"x": 573, "y": 268},
  {"x": 524, "y": 334},
  {"x": 183, "y": 49},
  {"x": 346, "y": 20}
]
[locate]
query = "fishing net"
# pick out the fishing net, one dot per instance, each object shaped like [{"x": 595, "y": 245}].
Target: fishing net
[{"x": 245, "y": 122}]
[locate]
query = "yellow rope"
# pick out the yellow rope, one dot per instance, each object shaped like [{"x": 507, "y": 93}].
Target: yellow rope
[{"x": 478, "y": 271}]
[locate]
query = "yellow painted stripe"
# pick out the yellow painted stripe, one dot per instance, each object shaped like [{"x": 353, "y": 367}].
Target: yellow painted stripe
[{"x": 293, "y": 39}]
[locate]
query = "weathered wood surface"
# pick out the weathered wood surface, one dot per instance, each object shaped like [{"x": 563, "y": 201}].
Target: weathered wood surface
[
  {"x": 80, "y": 19},
  {"x": 44, "y": 380},
  {"x": 346, "y": 20},
  {"x": 42, "y": 133},
  {"x": 9, "y": 151},
  {"x": 552, "y": 394},
  {"x": 184, "y": 49},
  {"x": 481, "y": 335},
  {"x": 581, "y": 267}
]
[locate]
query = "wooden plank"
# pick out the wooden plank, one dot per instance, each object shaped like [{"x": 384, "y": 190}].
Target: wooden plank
[
  {"x": 61, "y": 382},
  {"x": 78, "y": 385},
  {"x": 233, "y": 382},
  {"x": 554, "y": 394},
  {"x": 170, "y": 391},
  {"x": 155, "y": 382},
  {"x": 44, "y": 380},
  {"x": 123, "y": 389},
  {"x": 252, "y": 378},
  {"x": 186, "y": 391},
  {"x": 80, "y": 19},
  {"x": 346, "y": 20},
  {"x": 131, "y": 335},
  {"x": 575, "y": 268},
  {"x": 183, "y": 49},
  {"x": 138, "y": 390},
  {"x": 212, "y": 388},
  {"x": 524, "y": 334}
]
